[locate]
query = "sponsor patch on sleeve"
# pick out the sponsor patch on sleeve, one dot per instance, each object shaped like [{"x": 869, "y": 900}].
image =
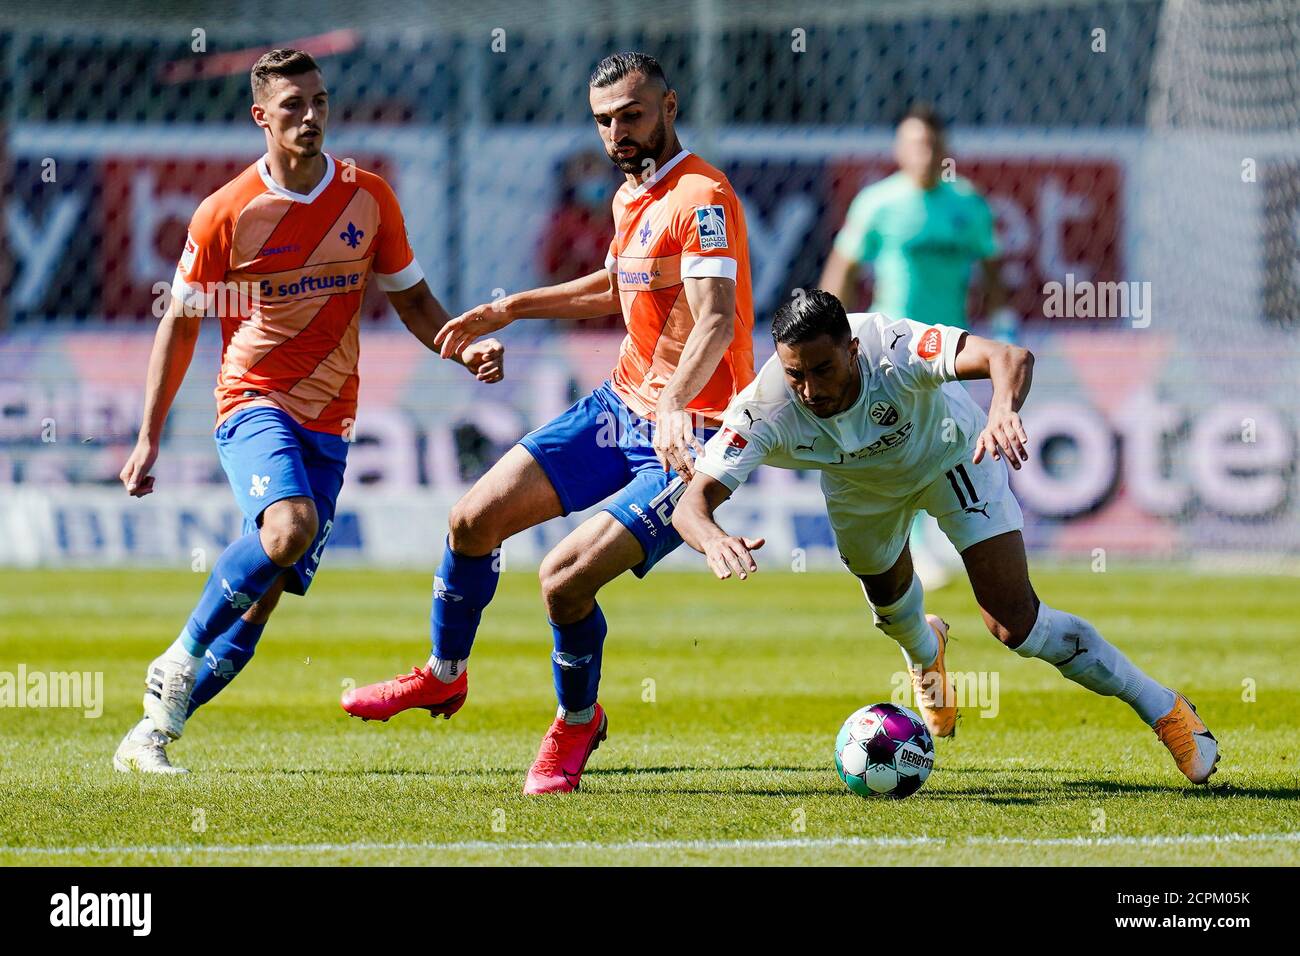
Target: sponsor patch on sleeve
[
  {"x": 734, "y": 441},
  {"x": 931, "y": 343},
  {"x": 187, "y": 257},
  {"x": 711, "y": 222}
]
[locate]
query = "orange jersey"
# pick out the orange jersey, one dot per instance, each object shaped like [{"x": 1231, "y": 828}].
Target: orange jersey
[
  {"x": 302, "y": 262},
  {"x": 684, "y": 222}
]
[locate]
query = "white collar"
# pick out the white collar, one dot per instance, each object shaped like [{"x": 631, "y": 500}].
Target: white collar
[
  {"x": 660, "y": 173},
  {"x": 265, "y": 172}
]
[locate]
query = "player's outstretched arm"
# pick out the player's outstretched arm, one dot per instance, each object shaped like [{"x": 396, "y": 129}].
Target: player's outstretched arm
[
  {"x": 693, "y": 519},
  {"x": 587, "y": 298},
  {"x": 712, "y": 302},
  {"x": 422, "y": 313},
  {"x": 1011, "y": 370},
  {"x": 169, "y": 360}
]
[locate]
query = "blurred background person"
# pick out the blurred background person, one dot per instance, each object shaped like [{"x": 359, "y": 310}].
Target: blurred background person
[{"x": 576, "y": 237}]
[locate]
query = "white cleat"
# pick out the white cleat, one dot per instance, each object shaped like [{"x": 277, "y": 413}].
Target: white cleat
[
  {"x": 144, "y": 755},
  {"x": 168, "y": 685}
]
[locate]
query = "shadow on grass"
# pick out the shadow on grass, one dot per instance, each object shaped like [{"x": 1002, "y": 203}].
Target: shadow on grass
[
  {"x": 1215, "y": 790},
  {"x": 1022, "y": 785}
]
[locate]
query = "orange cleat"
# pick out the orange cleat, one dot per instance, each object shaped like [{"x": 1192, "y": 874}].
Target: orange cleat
[
  {"x": 416, "y": 689},
  {"x": 933, "y": 690},
  {"x": 1194, "y": 748},
  {"x": 564, "y": 753}
]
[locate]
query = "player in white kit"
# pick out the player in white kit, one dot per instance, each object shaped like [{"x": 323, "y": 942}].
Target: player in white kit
[{"x": 872, "y": 402}]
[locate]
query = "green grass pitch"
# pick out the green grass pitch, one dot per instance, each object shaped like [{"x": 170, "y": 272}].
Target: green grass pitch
[{"x": 724, "y": 701}]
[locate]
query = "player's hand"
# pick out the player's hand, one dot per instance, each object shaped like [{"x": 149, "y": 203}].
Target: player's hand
[
  {"x": 731, "y": 555},
  {"x": 135, "y": 473},
  {"x": 1003, "y": 435},
  {"x": 486, "y": 359},
  {"x": 674, "y": 439},
  {"x": 481, "y": 320}
]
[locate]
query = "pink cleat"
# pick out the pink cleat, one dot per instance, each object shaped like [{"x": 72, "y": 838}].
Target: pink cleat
[
  {"x": 416, "y": 689},
  {"x": 564, "y": 753}
]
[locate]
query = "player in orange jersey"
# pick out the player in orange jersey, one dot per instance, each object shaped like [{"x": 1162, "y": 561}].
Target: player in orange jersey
[
  {"x": 678, "y": 269},
  {"x": 282, "y": 254}
]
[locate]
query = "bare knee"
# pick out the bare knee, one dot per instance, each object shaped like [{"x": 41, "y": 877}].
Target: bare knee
[
  {"x": 288, "y": 529},
  {"x": 567, "y": 594},
  {"x": 472, "y": 526}
]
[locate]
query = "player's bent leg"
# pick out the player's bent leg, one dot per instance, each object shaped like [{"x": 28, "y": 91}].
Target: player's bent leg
[
  {"x": 230, "y": 653},
  {"x": 143, "y": 749},
  {"x": 240, "y": 576},
  {"x": 514, "y": 495},
  {"x": 594, "y": 554},
  {"x": 1014, "y": 614},
  {"x": 897, "y": 601}
]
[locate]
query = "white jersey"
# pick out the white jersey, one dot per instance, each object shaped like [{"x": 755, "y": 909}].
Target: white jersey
[{"x": 911, "y": 422}]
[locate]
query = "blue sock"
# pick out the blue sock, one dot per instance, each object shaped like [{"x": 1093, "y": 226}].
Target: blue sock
[
  {"x": 225, "y": 657},
  {"x": 241, "y": 576},
  {"x": 462, "y": 588},
  {"x": 576, "y": 661}
]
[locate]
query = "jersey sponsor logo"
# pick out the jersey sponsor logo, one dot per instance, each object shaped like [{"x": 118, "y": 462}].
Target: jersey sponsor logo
[
  {"x": 734, "y": 441},
  {"x": 882, "y": 413},
  {"x": 187, "y": 257},
  {"x": 711, "y": 223},
  {"x": 634, "y": 277},
  {"x": 352, "y": 235},
  {"x": 309, "y": 285},
  {"x": 885, "y": 442},
  {"x": 931, "y": 343}
]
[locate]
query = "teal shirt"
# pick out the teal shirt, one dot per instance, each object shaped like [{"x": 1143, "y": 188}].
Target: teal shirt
[{"x": 922, "y": 244}]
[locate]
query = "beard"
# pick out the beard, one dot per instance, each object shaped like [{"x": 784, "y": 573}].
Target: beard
[{"x": 635, "y": 164}]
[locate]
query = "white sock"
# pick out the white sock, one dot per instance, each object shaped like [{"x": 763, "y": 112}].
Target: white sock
[
  {"x": 1073, "y": 646},
  {"x": 447, "y": 671},
  {"x": 905, "y": 622},
  {"x": 179, "y": 653},
  {"x": 142, "y": 730},
  {"x": 584, "y": 716}
]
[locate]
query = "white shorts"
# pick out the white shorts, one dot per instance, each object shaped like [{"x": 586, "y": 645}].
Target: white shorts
[{"x": 971, "y": 503}]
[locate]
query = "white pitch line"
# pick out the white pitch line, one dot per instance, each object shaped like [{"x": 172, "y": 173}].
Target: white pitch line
[{"x": 798, "y": 843}]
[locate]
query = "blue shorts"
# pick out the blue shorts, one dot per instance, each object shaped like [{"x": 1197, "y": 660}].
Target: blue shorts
[
  {"x": 268, "y": 457},
  {"x": 600, "y": 447}
]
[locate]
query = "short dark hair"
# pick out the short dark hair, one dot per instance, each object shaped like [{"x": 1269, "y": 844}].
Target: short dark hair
[
  {"x": 618, "y": 65},
  {"x": 927, "y": 114},
  {"x": 808, "y": 316},
  {"x": 281, "y": 62}
]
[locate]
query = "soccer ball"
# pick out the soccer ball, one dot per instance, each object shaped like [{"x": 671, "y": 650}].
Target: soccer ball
[{"x": 884, "y": 751}]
